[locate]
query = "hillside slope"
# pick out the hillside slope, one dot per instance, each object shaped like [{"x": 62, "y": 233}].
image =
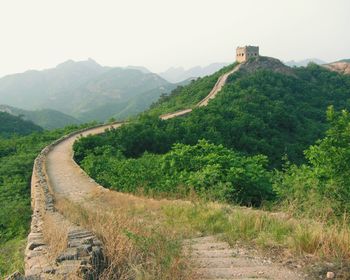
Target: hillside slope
[
  {"x": 46, "y": 118},
  {"x": 10, "y": 125}
]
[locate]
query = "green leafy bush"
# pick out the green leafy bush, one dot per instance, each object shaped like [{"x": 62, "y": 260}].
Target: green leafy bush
[
  {"x": 322, "y": 185},
  {"x": 211, "y": 171}
]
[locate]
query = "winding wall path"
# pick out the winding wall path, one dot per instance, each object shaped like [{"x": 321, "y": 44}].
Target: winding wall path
[
  {"x": 55, "y": 172},
  {"x": 66, "y": 177},
  {"x": 204, "y": 102},
  {"x": 83, "y": 253}
]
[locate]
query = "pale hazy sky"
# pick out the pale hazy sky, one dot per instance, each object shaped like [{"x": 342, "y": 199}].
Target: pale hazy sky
[{"x": 37, "y": 34}]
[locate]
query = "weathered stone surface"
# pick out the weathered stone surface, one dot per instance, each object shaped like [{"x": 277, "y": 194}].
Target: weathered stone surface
[
  {"x": 68, "y": 254},
  {"x": 34, "y": 244},
  {"x": 84, "y": 250}
]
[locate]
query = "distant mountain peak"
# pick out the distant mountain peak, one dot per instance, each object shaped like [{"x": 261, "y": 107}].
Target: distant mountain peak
[
  {"x": 179, "y": 74},
  {"x": 65, "y": 63},
  {"x": 139, "y": 68},
  {"x": 304, "y": 62},
  {"x": 70, "y": 62}
]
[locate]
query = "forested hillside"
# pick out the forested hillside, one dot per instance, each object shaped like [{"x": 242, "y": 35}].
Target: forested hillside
[
  {"x": 46, "y": 118},
  {"x": 260, "y": 120},
  {"x": 186, "y": 96},
  {"x": 263, "y": 112},
  {"x": 10, "y": 125}
]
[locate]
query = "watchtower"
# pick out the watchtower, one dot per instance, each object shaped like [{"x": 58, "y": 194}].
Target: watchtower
[{"x": 244, "y": 53}]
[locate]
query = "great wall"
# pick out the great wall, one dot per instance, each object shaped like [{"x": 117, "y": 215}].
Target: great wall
[
  {"x": 84, "y": 252},
  {"x": 55, "y": 174}
]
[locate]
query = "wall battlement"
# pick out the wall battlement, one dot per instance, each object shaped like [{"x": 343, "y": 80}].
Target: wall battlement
[{"x": 244, "y": 53}]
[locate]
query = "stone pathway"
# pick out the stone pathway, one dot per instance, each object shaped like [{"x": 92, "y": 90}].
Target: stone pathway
[{"x": 215, "y": 259}]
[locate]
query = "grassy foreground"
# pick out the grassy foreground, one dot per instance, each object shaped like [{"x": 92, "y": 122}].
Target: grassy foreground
[
  {"x": 143, "y": 237},
  {"x": 316, "y": 246}
]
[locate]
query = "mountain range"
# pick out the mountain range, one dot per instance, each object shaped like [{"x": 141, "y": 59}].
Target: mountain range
[{"x": 84, "y": 89}]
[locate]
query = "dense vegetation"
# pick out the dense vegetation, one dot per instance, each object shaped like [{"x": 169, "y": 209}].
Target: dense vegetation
[
  {"x": 321, "y": 186},
  {"x": 10, "y": 125},
  {"x": 206, "y": 169},
  {"x": 318, "y": 188},
  {"x": 256, "y": 123},
  {"x": 17, "y": 154},
  {"x": 262, "y": 113}
]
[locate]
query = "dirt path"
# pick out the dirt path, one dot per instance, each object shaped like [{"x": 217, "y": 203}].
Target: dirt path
[{"x": 67, "y": 179}]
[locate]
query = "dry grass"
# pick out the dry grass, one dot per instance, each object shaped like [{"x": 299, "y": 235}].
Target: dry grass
[
  {"x": 55, "y": 234},
  {"x": 136, "y": 241},
  {"x": 316, "y": 246},
  {"x": 143, "y": 236}
]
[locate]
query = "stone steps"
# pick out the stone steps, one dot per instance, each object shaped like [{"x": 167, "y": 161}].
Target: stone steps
[{"x": 215, "y": 260}]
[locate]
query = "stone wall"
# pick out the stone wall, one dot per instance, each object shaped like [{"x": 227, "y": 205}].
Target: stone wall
[{"x": 83, "y": 257}]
